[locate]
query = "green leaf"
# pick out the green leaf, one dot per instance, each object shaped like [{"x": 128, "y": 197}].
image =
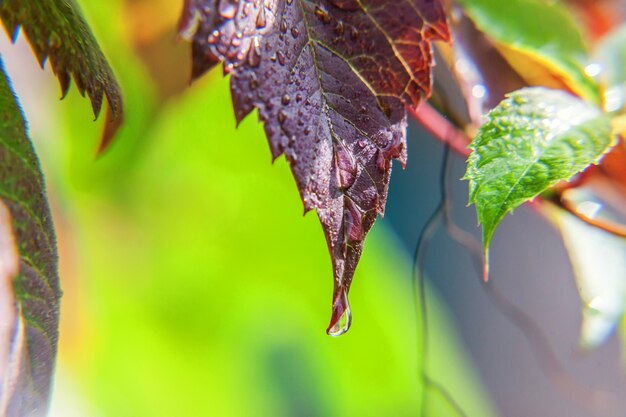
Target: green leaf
[
  {"x": 532, "y": 140},
  {"x": 57, "y": 30},
  {"x": 544, "y": 30},
  {"x": 36, "y": 286}
]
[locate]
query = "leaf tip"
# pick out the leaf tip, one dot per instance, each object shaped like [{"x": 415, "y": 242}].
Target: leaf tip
[
  {"x": 486, "y": 265},
  {"x": 111, "y": 128}
]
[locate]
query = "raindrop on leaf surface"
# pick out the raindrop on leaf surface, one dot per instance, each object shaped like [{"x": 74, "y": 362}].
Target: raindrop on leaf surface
[
  {"x": 342, "y": 323},
  {"x": 228, "y": 8},
  {"x": 261, "y": 19},
  {"x": 322, "y": 14},
  {"x": 254, "y": 54}
]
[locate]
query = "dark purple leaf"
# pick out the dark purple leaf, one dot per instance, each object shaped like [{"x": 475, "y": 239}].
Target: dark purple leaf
[{"x": 330, "y": 80}]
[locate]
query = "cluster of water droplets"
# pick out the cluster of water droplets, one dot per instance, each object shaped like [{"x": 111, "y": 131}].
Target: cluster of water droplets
[{"x": 235, "y": 43}]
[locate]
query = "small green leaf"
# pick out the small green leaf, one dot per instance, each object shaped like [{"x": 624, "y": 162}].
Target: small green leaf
[
  {"x": 532, "y": 140},
  {"x": 541, "y": 29},
  {"x": 57, "y": 31},
  {"x": 36, "y": 285}
]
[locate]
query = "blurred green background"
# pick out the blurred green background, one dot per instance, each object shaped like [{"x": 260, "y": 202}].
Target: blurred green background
[{"x": 193, "y": 285}]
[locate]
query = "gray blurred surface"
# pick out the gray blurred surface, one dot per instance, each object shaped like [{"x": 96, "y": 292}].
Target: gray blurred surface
[{"x": 529, "y": 359}]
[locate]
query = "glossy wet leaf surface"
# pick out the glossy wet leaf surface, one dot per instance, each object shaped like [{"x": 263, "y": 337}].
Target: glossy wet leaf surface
[
  {"x": 532, "y": 140},
  {"x": 57, "y": 32},
  {"x": 36, "y": 285},
  {"x": 330, "y": 80}
]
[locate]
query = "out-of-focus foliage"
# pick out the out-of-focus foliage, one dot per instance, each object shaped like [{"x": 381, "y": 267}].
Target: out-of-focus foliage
[
  {"x": 611, "y": 58},
  {"x": 599, "y": 261},
  {"x": 57, "y": 32},
  {"x": 31, "y": 314},
  {"x": 189, "y": 291},
  {"x": 542, "y": 32}
]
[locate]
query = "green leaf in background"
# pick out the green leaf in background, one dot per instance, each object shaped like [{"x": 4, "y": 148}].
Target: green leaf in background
[
  {"x": 543, "y": 30},
  {"x": 56, "y": 30},
  {"x": 37, "y": 284},
  {"x": 532, "y": 140}
]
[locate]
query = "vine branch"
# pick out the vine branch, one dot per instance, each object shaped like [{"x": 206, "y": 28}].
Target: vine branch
[
  {"x": 616, "y": 229},
  {"x": 440, "y": 128}
]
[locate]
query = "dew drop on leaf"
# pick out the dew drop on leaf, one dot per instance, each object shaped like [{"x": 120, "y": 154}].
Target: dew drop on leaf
[
  {"x": 281, "y": 57},
  {"x": 322, "y": 14},
  {"x": 339, "y": 28},
  {"x": 346, "y": 167},
  {"x": 354, "y": 33},
  {"x": 342, "y": 323},
  {"x": 261, "y": 19},
  {"x": 254, "y": 54},
  {"x": 228, "y": 8},
  {"x": 282, "y": 116},
  {"x": 214, "y": 36}
]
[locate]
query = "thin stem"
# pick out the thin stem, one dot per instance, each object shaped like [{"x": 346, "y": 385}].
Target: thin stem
[
  {"x": 440, "y": 128},
  {"x": 618, "y": 230},
  {"x": 419, "y": 290}
]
